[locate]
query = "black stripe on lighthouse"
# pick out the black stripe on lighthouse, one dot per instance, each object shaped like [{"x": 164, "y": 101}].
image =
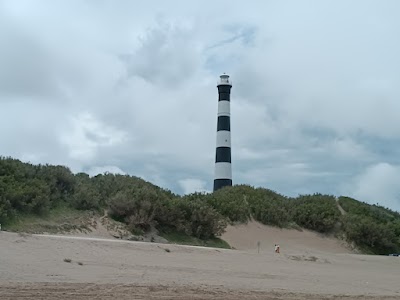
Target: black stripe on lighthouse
[
  {"x": 224, "y": 123},
  {"x": 224, "y": 93},
  {"x": 223, "y": 154},
  {"x": 223, "y": 170},
  {"x": 220, "y": 183}
]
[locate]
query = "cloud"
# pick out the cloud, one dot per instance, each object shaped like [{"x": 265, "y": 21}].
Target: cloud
[
  {"x": 22, "y": 59},
  {"x": 243, "y": 34},
  {"x": 167, "y": 56},
  {"x": 87, "y": 134},
  {"x": 378, "y": 184},
  {"x": 132, "y": 87},
  {"x": 93, "y": 171},
  {"x": 191, "y": 185}
]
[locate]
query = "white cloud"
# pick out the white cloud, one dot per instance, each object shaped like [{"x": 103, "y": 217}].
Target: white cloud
[
  {"x": 378, "y": 183},
  {"x": 86, "y": 135},
  {"x": 133, "y": 86},
  {"x": 348, "y": 148},
  {"x": 93, "y": 171},
  {"x": 191, "y": 185}
]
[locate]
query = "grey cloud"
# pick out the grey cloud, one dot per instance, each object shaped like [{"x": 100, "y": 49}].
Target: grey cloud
[
  {"x": 377, "y": 184},
  {"x": 314, "y": 98},
  {"x": 26, "y": 67},
  {"x": 245, "y": 34},
  {"x": 167, "y": 55}
]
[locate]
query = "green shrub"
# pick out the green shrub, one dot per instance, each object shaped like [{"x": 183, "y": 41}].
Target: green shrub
[
  {"x": 6, "y": 210},
  {"x": 316, "y": 212},
  {"x": 193, "y": 216},
  {"x": 371, "y": 227},
  {"x": 231, "y": 202},
  {"x": 378, "y": 213},
  {"x": 136, "y": 207},
  {"x": 368, "y": 234},
  {"x": 270, "y": 208},
  {"x": 205, "y": 221},
  {"x": 86, "y": 197}
]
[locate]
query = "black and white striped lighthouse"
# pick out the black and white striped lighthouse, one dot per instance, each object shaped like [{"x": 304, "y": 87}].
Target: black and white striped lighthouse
[{"x": 223, "y": 168}]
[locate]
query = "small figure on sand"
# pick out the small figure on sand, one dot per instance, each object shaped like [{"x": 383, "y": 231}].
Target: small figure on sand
[{"x": 277, "y": 248}]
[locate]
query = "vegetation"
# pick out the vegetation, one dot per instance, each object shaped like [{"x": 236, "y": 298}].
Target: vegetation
[
  {"x": 32, "y": 192},
  {"x": 317, "y": 212},
  {"x": 373, "y": 228},
  {"x": 58, "y": 219},
  {"x": 241, "y": 203}
]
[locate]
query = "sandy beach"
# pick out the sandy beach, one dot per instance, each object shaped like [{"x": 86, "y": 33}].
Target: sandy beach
[{"x": 309, "y": 267}]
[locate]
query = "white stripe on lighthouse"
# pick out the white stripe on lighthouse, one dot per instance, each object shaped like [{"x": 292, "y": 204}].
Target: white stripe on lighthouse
[
  {"x": 224, "y": 108},
  {"x": 223, "y": 170},
  {"x": 223, "y": 138}
]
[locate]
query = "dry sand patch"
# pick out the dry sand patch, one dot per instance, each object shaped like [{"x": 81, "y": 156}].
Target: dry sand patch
[{"x": 33, "y": 267}]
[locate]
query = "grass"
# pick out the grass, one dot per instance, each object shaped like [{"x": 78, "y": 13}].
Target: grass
[
  {"x": 184, "y": 239},
  {"x": 58, "y": 219}
]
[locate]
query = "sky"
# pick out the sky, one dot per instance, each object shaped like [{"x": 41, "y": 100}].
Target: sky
[{"x": 129, "y": 87}]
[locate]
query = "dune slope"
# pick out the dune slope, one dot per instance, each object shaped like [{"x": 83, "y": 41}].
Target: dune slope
[{"x": 246, "y": 237}]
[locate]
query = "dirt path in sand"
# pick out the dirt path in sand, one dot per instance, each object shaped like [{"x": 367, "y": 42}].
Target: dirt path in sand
[{"x": 342, "y": 211}]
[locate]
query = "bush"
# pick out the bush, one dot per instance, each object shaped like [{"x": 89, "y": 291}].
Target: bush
[
  {"x": 6, "y": 210},
  {"x": 32, "y": 195},
  {"x": 316, "y": 212},
  {"x": 205, "y": 222},
  {"x": 368, "y": 234},
  {"x": 378, "y": 213},
  {"x": 270, "y": 208},
  {"x": 59, "y": 179},
  {"x": 242, "y": 202},
  {"x": 232, "y": 202},
  {"x": 193, "y": 216},
  {"x": 371, "y": 227},
  {"x": 137, "y": 208},
  {"x": 85, "y": 197}
]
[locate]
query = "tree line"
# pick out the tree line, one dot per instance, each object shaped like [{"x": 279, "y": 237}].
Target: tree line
[{"x": 37, "y": 189}]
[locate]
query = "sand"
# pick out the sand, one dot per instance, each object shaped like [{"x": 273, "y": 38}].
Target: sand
[
  {"x": 246, "y": 237},
  {"x": 308, "y": 267}
]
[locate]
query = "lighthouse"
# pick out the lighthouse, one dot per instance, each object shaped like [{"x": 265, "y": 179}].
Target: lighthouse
[{"x": 223, "y": 168}]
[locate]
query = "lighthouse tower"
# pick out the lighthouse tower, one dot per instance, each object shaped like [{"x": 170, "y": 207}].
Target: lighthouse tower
[{"x": 223, "y": 169}]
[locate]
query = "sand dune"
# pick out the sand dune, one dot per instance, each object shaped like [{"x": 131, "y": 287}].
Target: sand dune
[
  {"x": 33, "y": 267},
  {"x": 246, "y": 236}
]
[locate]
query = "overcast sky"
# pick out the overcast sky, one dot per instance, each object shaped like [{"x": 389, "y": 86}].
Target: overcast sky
[{"x": 130, "y": 87}]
